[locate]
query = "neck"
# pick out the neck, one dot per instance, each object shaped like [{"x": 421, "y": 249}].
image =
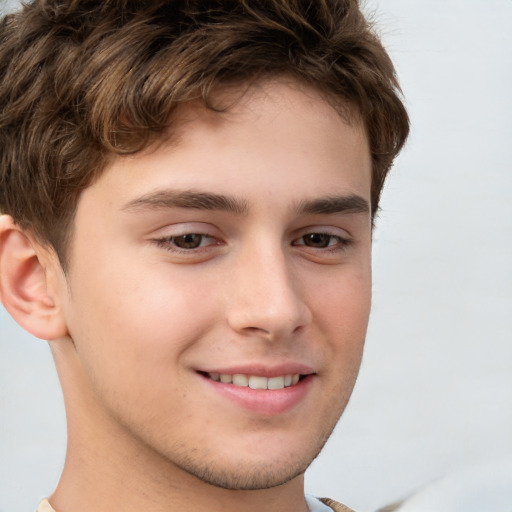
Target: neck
[
  {"x": 100, "y": 479},
  {"x": 108, "y": 470}
]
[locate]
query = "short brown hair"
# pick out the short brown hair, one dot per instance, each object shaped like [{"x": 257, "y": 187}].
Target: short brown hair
[{"x": 82, "y": 80}]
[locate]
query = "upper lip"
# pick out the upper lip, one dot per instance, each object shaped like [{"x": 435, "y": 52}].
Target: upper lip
[{"x": 262, "y": 370}]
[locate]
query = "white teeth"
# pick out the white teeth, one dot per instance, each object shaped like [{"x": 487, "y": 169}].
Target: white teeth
[
  {"x": 256, "y": 381},
  {"x": 276, "y": 383},
  {"x": 240, "y": 380}
]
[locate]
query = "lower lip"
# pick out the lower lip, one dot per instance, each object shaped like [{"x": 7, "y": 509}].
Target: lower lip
[{"x": 263, "y": 401}]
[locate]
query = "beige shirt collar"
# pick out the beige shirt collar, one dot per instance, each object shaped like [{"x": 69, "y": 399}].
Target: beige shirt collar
[{"x": 45, "y": 506}]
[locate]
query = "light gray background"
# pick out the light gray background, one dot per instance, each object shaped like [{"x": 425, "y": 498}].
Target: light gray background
[{"x": 435, "y": 391}]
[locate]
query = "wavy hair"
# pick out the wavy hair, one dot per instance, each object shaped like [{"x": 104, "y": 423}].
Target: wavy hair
[{"x": 82, "y": 81}]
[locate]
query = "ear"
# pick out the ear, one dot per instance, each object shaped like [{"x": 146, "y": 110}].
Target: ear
[{"x": 25, "y": 271}]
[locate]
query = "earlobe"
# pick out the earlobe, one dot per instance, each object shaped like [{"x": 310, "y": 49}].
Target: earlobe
[{"x": 24, "y": 289}]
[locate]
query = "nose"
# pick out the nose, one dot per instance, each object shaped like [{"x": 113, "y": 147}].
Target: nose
[{"x": 265, "y": 299}]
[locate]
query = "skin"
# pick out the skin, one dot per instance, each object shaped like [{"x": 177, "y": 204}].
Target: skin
[{"x": 136, "y": 319}]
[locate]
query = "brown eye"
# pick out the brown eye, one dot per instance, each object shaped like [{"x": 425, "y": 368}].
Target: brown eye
[
  {"x": 318, "y": 240},
  {"x": 188, "y": 241}
]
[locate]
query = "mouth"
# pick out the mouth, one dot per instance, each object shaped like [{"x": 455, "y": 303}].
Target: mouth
[
  {"x": 262, "y": 390},
  {"x": 256, "y": 381}
]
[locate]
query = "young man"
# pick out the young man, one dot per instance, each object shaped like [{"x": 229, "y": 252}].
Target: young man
[{"x": 188, "y": 191}]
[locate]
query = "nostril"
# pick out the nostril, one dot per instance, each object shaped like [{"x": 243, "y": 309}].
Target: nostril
[{"x": 257, "y": 329}]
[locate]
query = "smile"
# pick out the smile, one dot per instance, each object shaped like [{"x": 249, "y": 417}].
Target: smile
[
  {"x": 256, "y": 381},
  {"x": 262, "y": 390}
]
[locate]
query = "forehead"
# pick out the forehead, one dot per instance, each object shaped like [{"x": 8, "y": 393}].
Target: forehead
[
  {"x": 264, "y": 104},
  {"x": 276, "y": 131}
]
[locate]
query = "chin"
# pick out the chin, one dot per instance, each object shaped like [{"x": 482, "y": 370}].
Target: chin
[
  {"x": 245, "y": 478},
  {"x": 255, "y": 471}
]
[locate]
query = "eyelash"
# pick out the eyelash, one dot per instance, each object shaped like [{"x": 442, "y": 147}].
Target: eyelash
[
  {"x": 340, "y": 245},
  {"x": 169, "y": 244}
]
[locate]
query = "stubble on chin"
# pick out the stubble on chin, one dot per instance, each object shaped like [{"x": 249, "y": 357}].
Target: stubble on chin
[{"x": 248, "y": 476}]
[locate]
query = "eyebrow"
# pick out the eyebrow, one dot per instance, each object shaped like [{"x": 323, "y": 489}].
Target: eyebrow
[
  {"x": 194, "y": 199},
  {"x": 188, "y": 199},
  {"x": 334, "y": 204}
]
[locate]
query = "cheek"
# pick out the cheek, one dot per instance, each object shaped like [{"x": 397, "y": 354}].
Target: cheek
[
  {"x": 130, "y": 336},
  {"x": 342, "y": 313},
  {"x": 131, "y": 320},
  {"x": 344, "y": 299}
]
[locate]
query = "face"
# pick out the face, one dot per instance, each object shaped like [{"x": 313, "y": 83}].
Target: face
[{"x": 219, "y": 288}]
